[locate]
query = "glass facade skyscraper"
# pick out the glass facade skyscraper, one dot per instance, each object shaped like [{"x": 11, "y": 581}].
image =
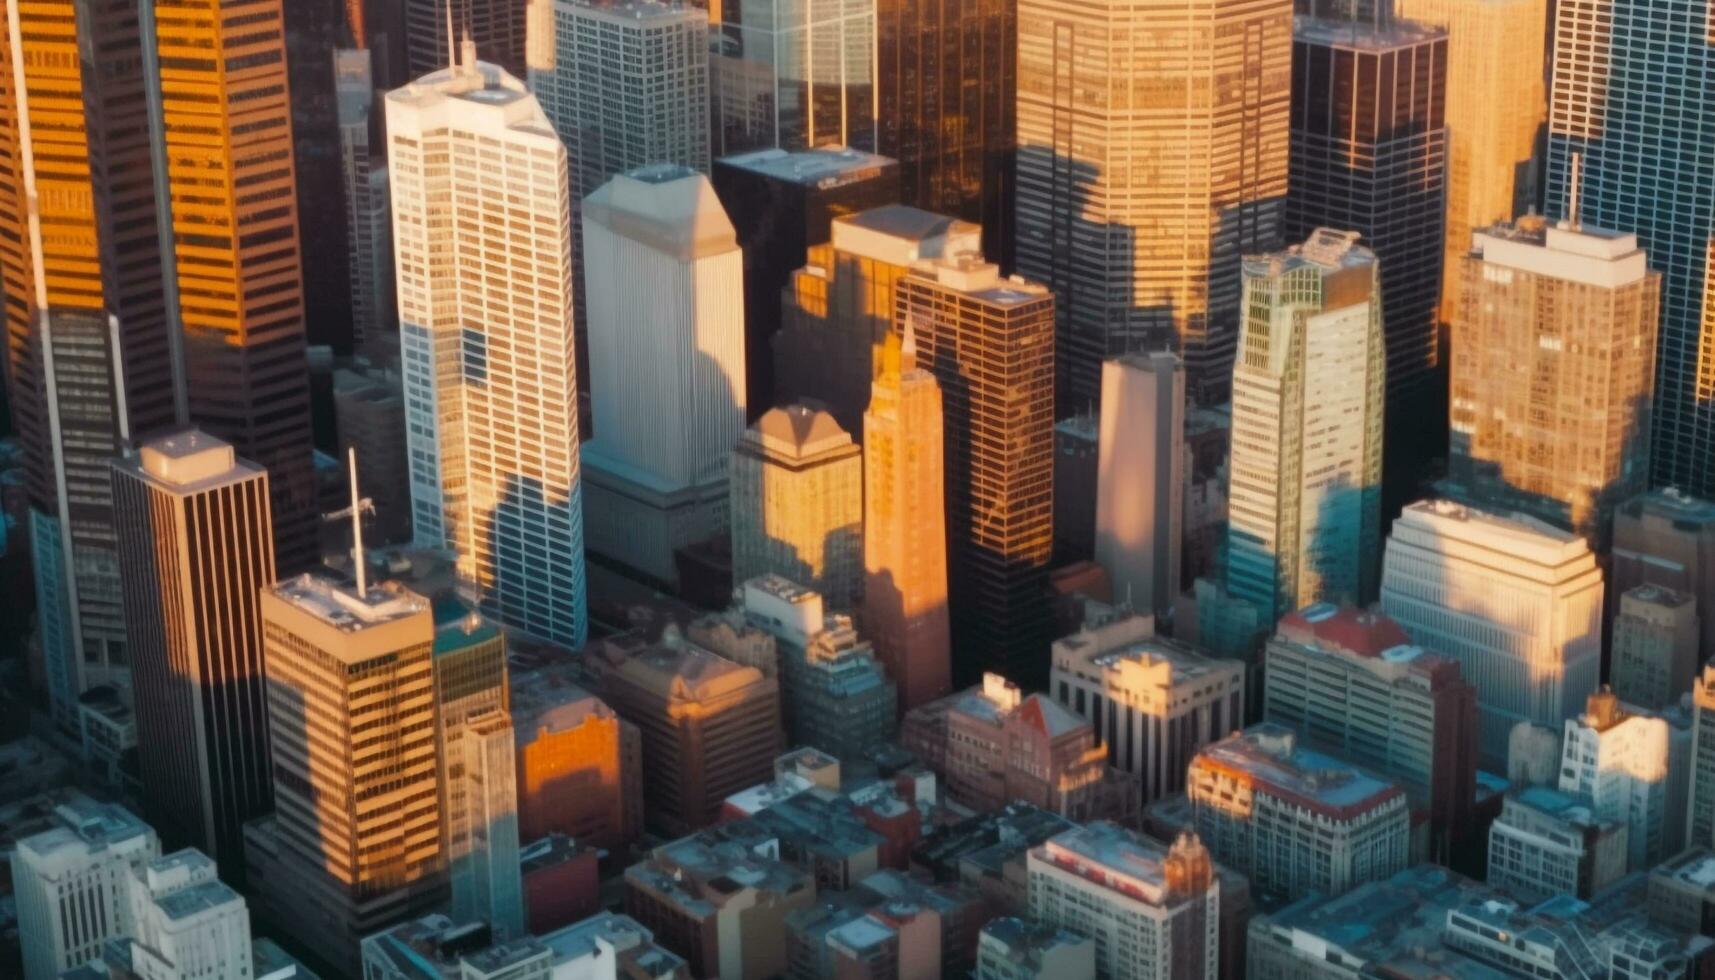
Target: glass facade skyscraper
[{"x": 793, "y": 74}]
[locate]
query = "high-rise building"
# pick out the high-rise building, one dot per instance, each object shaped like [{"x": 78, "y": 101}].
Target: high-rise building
[
  {"x": 666, "y": 334},
  {"x": 792, "y": 74},
  {"x": 1623, "y": 764},
  {"x": 1077, "y": 468},
  {"x": 1700, "y": 813},
  {"x": 368, "y": 214},
  {"x": 988, "y": 341},
  {"x": 781, "y": 204},
  {"x": 905, "y": 526},
  {"x": 1494, "y": 113},
  {"x": 71, "y": 884},
  {"x": 486, "y": 333},
  {"x": 1516, "y": 602},
  {"x": 196, "y": 547},
  {"x": 1154, "y": 702},
  {"x": 710, "y": 727},
  {"x": 1548, "y": 843},
  {"x": 1307, "y": 822},
  {"x": 626, "y": 85},
  {"x": 233, "y": 282},
  {"x": 1349, "y": 682},
  {"x": 182, "y": 921},
  {"x": 1154, "y": 911},
  {"x": 580, "y": 766},
  {"x": 1553, "y": 362},
  {"x": 1628, "y": 93},
  {"x": 1654, "y": 652},
  {"x": 355, "y": 841},
  {"x": 797, "y": 503},
  {"x": 369, "y": 414},
  {"x": 1369, "y": 155},
  {"x": 1152, "y": 146},
  {"x": 498, "y": 27},
  {"x": 947, "y": 97},
  {"x": 1140, "y": 482},
  {"x": 1304, "y": 497},
  {"x": 89, "y": 360},
  {"x": 1667, "y": 538}
]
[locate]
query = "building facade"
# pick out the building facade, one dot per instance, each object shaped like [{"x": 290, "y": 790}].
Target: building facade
[
  {"x": 183, "y": 921},
  {"x": 1624, "y": 764},
  {"x": 580, "y": 767},
  {"x": 499, "y": 29},
  {"x": 1140, "y": 478},
  {"x": 368, "y": 211},
  {"x": 71, "y": 884},
  {"x": 1548, "y": 843},
  {"x": 1666, "y": 537},
  {"x": 1700, "y": 815},
  {"x": 793, "y": 74},
  {"x": 1654, "y": 651}
]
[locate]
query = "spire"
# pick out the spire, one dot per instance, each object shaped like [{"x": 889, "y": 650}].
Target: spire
[
  {"x": 1574, "y": 179},
  {"x": 357, "y": 526},
  {"x": 908, "y": 348},
  {"x": 888, "y": 364}
]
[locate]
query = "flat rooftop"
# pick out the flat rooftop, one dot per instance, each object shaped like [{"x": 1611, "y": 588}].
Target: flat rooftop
[
  {"x": 1111, "y": 856},
  {"x": 1364, "y": 36},
  {"x": 821, "y": 166},
  {"x": 1270, "y": 758},
  {"x": 340, "y": 606},
  {"x": 1694, "y": 868}
]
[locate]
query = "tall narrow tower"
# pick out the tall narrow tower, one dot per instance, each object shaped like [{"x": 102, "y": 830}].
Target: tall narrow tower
[
  {"x": 1140, "y": 478},
  {"x": 905, "y": 526}
]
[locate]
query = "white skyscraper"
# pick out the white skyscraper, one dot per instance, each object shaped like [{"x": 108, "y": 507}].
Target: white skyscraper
[
  {"x": 665, "y": 281},
  {"x": 1140, "y": 485},
  {"x": 1517, "y": 602},
  {"x": 70, "y": 884},
  {"x": 1629, "y": 766},
  {"x": 482, "y": 243},
  {"x": 1304, "y": 490},
  {"x": 184, "y": 923}
]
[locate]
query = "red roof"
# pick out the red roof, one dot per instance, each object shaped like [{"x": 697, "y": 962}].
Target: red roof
[{"x": 1358, "y": 631}]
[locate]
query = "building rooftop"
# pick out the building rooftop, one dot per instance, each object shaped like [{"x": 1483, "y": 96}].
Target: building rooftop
[
  {"x": 1659, "y": 595},
  {"x": 1672, "y": 503},
  {"x": 1360, "y": 35},
  {"x": 1694, "y": 868},
  {"x": 700, "y": 873},
  {"x": 823, "y": 167},
  {"x": 969, "y": 274},
  {"x": 1513, "y": 533},
  {"x": 1326, "y": 249},
  {"x": 667, "y": 207},
  {"x": 338, "y": 605},
  {"x": 801, "y": 433},
  {"x": 1578, "y": 253},
  {"x": 1026, "y": 942},
  {"x": 1130, "y": 642},
  {"x": 675, "y": 669},
  {"x": 1269, "y": 758},
  {"x": 1113, "y": 857},
  {"x": 189, "y": 461},
  {"x": 1561, "y": 806},
  {"x": 634, "y": 10},
  {"x": 987, "y": 841},
  {"x": 81, "y": 825},
  {"x": 625, "y": 936}
]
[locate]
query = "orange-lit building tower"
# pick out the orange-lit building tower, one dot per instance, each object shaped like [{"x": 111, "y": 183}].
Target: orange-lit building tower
[
  {"x": 580, "y": 766},
  {"x": 233, "y": 283},
  {"x": 905, "y": 527}
]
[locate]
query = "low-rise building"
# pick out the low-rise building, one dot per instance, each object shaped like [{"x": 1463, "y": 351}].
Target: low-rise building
[
  {"x": 610, "y": 946},
  {"x": 434, "y": 947},
  {"x": 1012, "y": 949},
  {"x": 1630, "y": 767},
  {"x": 989, "y": 853},
  {"x": 71, "y": 883},
  {"x": 1655, "y": 643},
  {"x": 1682, "y": 893},
  {"x": 580, "y": 765},
  {"x": 561, "y": 880},
  {"x": 1546, "y": 842}
]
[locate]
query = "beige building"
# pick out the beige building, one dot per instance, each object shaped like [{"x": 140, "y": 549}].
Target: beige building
[
  {"x": 1553, "y": 369},
  {"x": 797, "y": 503},
  {"x": 905, "y": 527},
  {"x": 1495, "y": 108},
  {"x": 1152, "y": 155}
]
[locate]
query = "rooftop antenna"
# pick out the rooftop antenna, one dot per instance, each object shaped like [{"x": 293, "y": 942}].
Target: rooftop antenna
[
  {"x": 359, "y": 507},
  {"x": 1572, "y": 220},
  {"x": 452, "y": 44}
]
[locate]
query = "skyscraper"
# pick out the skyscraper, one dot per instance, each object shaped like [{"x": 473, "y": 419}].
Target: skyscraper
[
  {"x": 1518, "y": 603},
  {"x": 793, "y": 74},
  {"x": 1654, "y": 652},
  {"x": 368, "y": 218},
  {"x": 486, "y": 333},
  {"x": 797, "y": 503},
  {"x": 1140, "y": 479},
  {"x": 947, "y": 105},
  {"x": 1630, "y": 93},
  {"x": 196, "y": 547},
  {"x": 233, "y": 282},
  {"x": 666, "y": 330},
  {"x": 1495, "y": 106},
  {"x": 499, "y": 28},
  {"x": 355, "y": 842},
  {"x": 1700, "y": 815},
  {"x": 1552, "y": 368},
  {"x": 1152, "y": 145},
  {"x": 988, "y": 341},
  {"x": 905, "y": 526},
  {"x": 1369, "y": 154},
  {"x": 1304, "y": 492},
  {"x": 78, "y": 246}
]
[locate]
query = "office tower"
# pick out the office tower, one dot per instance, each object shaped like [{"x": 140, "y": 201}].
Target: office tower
[
  {"x": 486, "y": 331},
  {"x": 988, "y": 341},
  {"x": 1667, "y": 538},
  {"x": 1312, "y": 823},
  {"x": 781, "y": 204},
  {"x": 369, "y": 414},
  {"x": 1153, "y": 910},
  {"x": 196, "y": 547},
  {"x": 580, "y": 766},
  {"x": 1552, "y": 367},
  {"x": 792, "y": 74},
  {"x": 233, "y": 282},
  {"x": 1011, "y": 949},
  {"x": 839, "y": 306},
  {"x": 355, "y": 841},
  {"x": 1628, "y": 95},
  {"x": 1208, "y": 438},
  {"x": 905, "y": 526},
  {"x": 1654, "y": 651},
  {"x": 1304, "y": 490},
  {"x": 1494, "y": 111},
  {"x": 1077, "y": 467},
  {"x": 1369, "y": 154},
  {"x": 626, "y": 85},
  {"x": 797, "y": 503},
  {"x": 1548, "y": 843},
  {"x": 71, "y": 881},
  {"x": 1700, "y": 814},
  {"x": 182, "y": 921},
  {"x": 1140, "y": 482},
  {"x": 1621, "y": 763},
  {"x": 710, "y": 727},
  {"x": 498, "y": 27},
  {"x": 1516, "y": 602},
  {"x": 1153, "y": 701},
  {"x": 368, "y": 214},
  {"x": 88, "y": 358},
  {"x": 1349, "y": 682},
  {"x": 946, "y": 96},
  {"x": 1152, "y": 146},
  {"x": 666, "y": 333}
]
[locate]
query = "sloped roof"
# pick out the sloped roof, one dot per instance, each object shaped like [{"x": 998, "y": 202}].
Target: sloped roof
[{"x": 668, "y": 207}]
